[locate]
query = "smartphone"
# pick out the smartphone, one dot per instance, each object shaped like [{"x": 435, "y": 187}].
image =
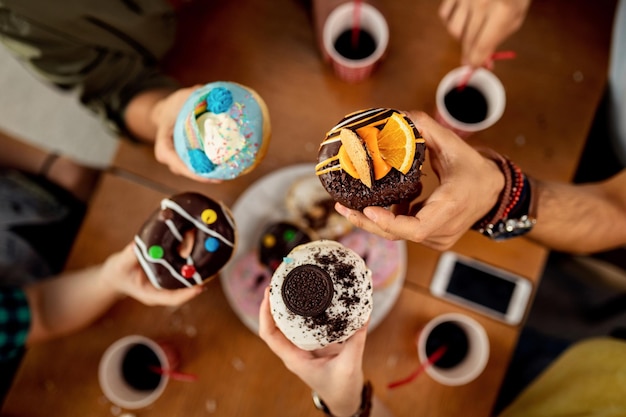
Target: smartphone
[{"x": 484, "y": 288}]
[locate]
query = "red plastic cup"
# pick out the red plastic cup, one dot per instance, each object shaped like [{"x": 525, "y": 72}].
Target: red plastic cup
[{"x": 342, "y": 19}]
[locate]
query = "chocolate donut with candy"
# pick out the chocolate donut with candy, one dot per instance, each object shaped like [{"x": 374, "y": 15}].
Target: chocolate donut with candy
[
  {"x": 277, "y": 240},
  {"x": 372, "y": 157},
  {"x": 186, "y": 241}
]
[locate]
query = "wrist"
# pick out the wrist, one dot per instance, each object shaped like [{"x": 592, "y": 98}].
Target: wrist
[
  {"x": 514, "y": 213},
  {"x": 108, "y": 279},
  {"x": 351, "y": 405},
  {"x": 497, "y": 185},
  {"x": 144, "y": 111}
]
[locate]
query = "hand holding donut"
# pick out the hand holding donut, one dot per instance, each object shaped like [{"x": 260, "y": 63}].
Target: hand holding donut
[
  {"x": 164, "y": 117},
  {"x": 186, "y": 241},
  {"x": 336, "y": 376},
  {"x": 469, "y": 188},
  {"x": 122, "y": 272}
]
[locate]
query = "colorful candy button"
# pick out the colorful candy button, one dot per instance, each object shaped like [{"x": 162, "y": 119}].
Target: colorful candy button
[
  {"x": 156, "y": 252},
  {"x": 187, "y": 271},
  {"x": 209, "y": 216},
  {"x": 269, "y": 241},
  {"x": 289, "y": 235},
  {"x": 211, "y": 244}
]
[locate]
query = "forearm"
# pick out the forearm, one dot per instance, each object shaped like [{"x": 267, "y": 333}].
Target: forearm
[
  {"x": 85, "y": 296},
  {"x": 581, "y": 218},
  {"x": 139, "y": 113}
]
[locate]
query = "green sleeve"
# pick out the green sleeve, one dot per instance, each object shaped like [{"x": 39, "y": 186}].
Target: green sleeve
[{"x": 105, "y": 50}]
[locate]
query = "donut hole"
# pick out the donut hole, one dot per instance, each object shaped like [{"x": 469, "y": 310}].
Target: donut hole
[{"x": 186, "y": 245}]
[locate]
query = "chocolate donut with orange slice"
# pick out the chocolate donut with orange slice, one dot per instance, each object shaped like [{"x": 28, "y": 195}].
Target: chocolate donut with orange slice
[{"x": 372, "y": 157}]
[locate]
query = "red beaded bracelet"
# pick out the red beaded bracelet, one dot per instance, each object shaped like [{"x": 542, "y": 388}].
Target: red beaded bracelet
[{"x": 514, "y": 213}]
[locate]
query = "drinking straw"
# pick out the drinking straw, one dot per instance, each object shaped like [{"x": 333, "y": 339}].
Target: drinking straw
[
  {"x": 432, "y": 359},
  {"x": 498, "y": 55},
  {"x": 356, "y": 23},
  {"x": 178, "y": 376}
]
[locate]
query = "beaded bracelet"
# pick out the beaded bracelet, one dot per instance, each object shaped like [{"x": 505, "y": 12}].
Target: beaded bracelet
[{"x": 514, "y": 213}]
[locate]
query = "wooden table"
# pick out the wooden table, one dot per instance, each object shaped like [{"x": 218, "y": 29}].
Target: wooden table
[{"x": 553, "y": 88}]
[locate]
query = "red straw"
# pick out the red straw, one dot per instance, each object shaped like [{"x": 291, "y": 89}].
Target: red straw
[
  {"x": 496, "y": 56},
  {"x": 436, "y": 355},
  {"x": 463, "y": 83},
  {"x": 356, "y": 23},
  {"x": 503, "y": 55},
  {"x": 178, "y": 376}
]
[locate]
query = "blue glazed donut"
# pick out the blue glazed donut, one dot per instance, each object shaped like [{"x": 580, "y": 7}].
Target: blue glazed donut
[{"x": 222, "y": 131}]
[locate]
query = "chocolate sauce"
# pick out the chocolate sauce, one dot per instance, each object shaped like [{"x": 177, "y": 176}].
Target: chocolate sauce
[
  {"x": 467, "y": 105},
  {"x": 136, "y": 368},
  {"x": 452, "y": 336},
  {"x": 364, "y": 47}
]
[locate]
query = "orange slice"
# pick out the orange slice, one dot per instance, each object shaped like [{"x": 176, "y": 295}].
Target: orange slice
[
  {"x": 369, "y": 134},
  {"x": 357, "y": 154},
  {"x": 346, "y": 163},
  {"x": 397, "y": 143}
]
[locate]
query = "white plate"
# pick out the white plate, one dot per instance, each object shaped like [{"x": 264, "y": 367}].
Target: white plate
[{"x": 263, "y": 202}]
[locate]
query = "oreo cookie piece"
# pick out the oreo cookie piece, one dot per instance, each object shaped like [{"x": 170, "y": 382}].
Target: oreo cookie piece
[{"x": 307, "y": 290}]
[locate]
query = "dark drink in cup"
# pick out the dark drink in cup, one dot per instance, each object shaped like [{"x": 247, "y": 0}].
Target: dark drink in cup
[
  {"x": 467, "y": 105},
  {"x": 358, "y": 47},
  {"x": 130, "y": 371},
  {"x": 466, "y": 348},
  {"x": 138, "y": 365},
  {"x": 454, "y": 338}
]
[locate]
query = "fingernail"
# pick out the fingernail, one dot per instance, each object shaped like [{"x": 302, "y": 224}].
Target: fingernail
[
  {"x": 370, "y": 214},
  {"x": 341, "y": 209}
]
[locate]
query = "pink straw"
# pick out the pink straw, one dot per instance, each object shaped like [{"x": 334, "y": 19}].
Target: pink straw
[
  {"x": 178, "y": 376},
  {"x": 499, "y": 55},
  {"x": 356, "y": 23},
  {"x": 436, "y": 355}
]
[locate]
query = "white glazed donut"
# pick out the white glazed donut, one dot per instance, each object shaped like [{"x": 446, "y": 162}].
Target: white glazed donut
[{"x": 321, "y": 294}]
